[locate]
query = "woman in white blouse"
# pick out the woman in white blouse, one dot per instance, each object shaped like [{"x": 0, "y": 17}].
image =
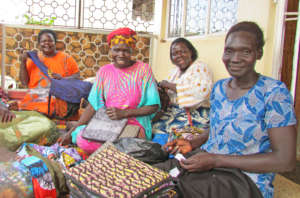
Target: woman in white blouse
[{"x": 188, "y": 87}]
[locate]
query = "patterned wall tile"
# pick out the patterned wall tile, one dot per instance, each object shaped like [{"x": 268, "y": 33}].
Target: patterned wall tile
[{"x": 90, "y": 50}]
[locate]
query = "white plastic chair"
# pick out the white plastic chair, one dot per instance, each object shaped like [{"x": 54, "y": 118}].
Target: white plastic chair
[{"x": 10, "y": 83}]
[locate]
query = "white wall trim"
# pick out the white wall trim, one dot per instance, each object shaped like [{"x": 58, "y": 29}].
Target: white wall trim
[
  {"x": 296, "y": 52},
  {"x": 279, "y": 38},
  {"x": 3, "y": 57}
]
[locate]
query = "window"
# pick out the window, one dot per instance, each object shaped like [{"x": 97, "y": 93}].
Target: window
[
  {"x": 200, "y": 17},
  {"x": 95, "y": 14},
  {"x": 111, "y": 14}
]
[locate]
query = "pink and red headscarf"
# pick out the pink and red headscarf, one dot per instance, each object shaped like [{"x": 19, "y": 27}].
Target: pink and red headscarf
[{"x": 122, "y": 36}]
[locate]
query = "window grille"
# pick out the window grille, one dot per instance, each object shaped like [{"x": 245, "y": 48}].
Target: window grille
[
  {"x": 110, "y": 14},
  {"x": 95, "y": 14},
  {"x": 64, "y": 11},
  {"x": 200, "y": 17}
]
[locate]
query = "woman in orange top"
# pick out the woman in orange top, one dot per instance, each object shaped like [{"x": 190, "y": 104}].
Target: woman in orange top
[{"x": 60, "y": 65}]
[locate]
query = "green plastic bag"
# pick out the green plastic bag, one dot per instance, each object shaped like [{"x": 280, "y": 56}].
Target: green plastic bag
[{"x": 30, "y": 127}]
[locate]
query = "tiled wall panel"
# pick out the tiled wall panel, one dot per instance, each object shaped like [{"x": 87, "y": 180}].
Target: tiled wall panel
[{"x": 90, "y": 50}]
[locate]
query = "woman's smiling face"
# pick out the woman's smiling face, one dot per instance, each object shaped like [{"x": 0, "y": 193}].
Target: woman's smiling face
[
  {"x": 240, "y": 54},
  {"x": 181, "y": 56},
  {"x": 121, "y": 55},
  {"x": 47, "y": 44}
]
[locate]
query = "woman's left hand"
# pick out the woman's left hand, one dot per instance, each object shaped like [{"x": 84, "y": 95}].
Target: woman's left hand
[
  {"x": 115, "y": 113},
  {"x": 201, "y": 161},
  {"x": 167, "y": 85},
  {"x": 56, "y": 76},
  {"x": 164, "y": 84}
]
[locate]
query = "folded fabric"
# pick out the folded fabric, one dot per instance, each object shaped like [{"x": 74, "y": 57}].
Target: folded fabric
[
  {"x": 111, "y": 173},
  {"x": 14, "y": 182},
  {"x": 28, "y": 126},
  {"x": 45, "y": 165}
]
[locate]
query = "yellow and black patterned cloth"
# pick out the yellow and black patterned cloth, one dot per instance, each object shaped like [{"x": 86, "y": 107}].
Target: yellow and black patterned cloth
[
  {"x": 111, "y": 173},
  {"x": 122, "y": 36}
]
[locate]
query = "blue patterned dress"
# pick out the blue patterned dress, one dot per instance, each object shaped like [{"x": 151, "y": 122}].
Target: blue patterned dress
[{"x": 240, "y": 127}]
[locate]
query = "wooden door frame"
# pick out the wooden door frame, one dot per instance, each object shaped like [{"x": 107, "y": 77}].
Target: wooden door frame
[{"x": 289, "y": 65}]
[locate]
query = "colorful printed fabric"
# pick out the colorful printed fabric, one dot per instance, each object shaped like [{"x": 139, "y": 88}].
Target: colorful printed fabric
[
  {"x": 14, "y": 182},
  {"x": 37, "y": 98},
  {"x": 122, "y": 36},
  {"x": 126, "y": 88},
  {"x": 42, "y": 174},
  {"x": 240, "y": 127},
  {"x": 193, "y": 90},
  {"x": 193, "y": 86},
  {"x": 111, "y": 173},
  {"x": 176, "y": 118}
]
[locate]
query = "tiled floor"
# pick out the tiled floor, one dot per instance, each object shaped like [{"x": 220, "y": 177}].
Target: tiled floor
[
  {"x": 294, "y": 175},
  {"x": 287, "y": 185},
  {"x": 285, "y": 188},
  {"x": 6, "y": 155}
]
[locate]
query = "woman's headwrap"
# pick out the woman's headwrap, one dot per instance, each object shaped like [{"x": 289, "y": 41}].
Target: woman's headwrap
[{"x": 122, "y": 36}]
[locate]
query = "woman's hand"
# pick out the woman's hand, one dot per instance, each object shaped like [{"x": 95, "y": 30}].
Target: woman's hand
[
  {"x": 164, "y": 84},
  {"x": 6, "y": 115},
  {"x": 56, "y": 76},
  {"x": 179, "y": 145},
  {"x": 115, "y": 113},
  {"x": 167, "y": 85},
  {"x": 23, "y": 75},
  {"x": 66, "y": 138},
  {"x": 201, "y": 161}
]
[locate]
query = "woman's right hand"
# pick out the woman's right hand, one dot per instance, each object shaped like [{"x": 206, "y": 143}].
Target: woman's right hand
[
  {"x": 178, "y": 145},
  {"x": 164, "y": 84},
  {"x": 6, "y": 115},
  {"x": 66, "y": 138}
]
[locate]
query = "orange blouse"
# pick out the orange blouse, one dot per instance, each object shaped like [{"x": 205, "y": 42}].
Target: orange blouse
[{"x": 62, "y": 64}]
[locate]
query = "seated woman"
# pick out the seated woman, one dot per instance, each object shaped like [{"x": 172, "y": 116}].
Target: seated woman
[
  {"x": 126, "y": 88},
  {"x": 60, "y": 65},
  {"x": 252, "y": 123},
  {"x": 188, "y": 87}
]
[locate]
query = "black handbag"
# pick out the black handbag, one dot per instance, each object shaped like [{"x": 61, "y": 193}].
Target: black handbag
[{"x": 217, "y": 182}]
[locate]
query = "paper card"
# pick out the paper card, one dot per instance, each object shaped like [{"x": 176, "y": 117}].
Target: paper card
[
  {"x": 179, "y": 157},
  {"x": 174, "y": 172}
]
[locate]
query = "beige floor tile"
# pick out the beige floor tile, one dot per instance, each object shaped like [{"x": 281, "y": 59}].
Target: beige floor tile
[{"x": 285, "y": 188}]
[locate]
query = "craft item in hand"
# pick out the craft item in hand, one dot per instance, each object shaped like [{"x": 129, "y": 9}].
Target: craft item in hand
[{"x": 101, "y": 128}]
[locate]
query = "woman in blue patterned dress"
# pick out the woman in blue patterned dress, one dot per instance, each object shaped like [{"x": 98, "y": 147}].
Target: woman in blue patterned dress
[{"x": 252, "y": 119}]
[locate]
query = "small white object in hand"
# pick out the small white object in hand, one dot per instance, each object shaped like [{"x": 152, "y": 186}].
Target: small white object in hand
[
  {"x": 174, "y": 172},
  {"x": 179, "y": 157}
]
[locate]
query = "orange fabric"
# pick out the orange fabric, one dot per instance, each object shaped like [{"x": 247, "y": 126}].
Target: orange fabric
[
  {"x": 61, "y": 109},
  {"x": 62, "y": 64}
]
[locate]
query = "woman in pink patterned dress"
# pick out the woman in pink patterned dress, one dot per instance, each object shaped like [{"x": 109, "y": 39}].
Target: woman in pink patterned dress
[{"x": 126, "y": 88}]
